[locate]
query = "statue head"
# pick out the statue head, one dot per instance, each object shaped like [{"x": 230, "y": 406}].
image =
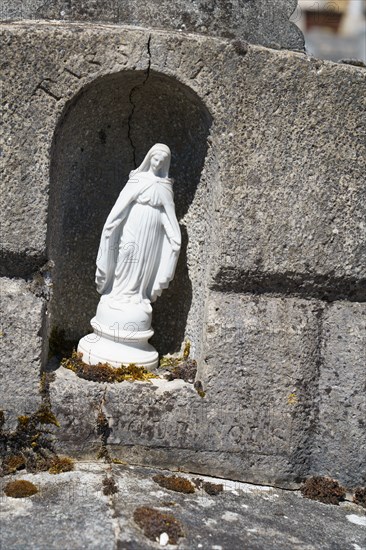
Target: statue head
[{"x": 156, "y": 161}]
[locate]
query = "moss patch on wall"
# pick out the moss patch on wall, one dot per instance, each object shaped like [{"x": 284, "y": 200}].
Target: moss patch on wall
[
  {"x": 323, "y": 489},
  {"x": 154, "y": 523},
  {"x": 175, "y": 483},
  {"x": 20, "y": 489}
]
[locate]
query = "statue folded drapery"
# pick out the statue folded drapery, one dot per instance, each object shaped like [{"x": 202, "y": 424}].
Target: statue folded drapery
[
  {"x": 137, "y": 257},
  {"x": 141, "y": 238}
]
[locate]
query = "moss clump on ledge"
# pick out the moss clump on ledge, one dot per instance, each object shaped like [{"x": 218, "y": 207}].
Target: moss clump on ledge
[
  {"x": 109, "y": 486},
  {"x": 154, "y": 523},
  {"x": 103, "y": 372},
  {"x": 180, "y": 367},
  {"x": 12, "y": 463},
  {"x": 20, "y": 489},
  {"x": 323, "y": 489},
  {"x": 175, "y": 483},
  {"x": 360, "y": 496},
  {"x": 60, "y": 465},
  {"x": 211, "y": 489},
  {"x": 29, "y": 446}
]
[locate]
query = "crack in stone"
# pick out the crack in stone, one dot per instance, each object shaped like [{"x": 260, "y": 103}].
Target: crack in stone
[{"x": 133, "y": 105}]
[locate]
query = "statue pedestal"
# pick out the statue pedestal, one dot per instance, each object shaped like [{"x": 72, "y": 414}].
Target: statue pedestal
[{"x": 120, "y": 337}]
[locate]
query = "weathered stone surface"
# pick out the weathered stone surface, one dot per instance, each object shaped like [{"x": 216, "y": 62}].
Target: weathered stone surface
[
  {"x": 69, "y": 511},
  {"x": 242, "y": 516},
  {"x": 261, "y": 371},
  {"x": 21, "y": 349},
  {"x": 271, "y": 200},
  {"x": 263, "y": 22},
  {"x": 340, "y": 442},
  {"x": 282, "y": 224},
  {"x": 33, "y": 100},
  {"x": 78, "y": 407},
  {"x": 256, "y": 418},
  {"x": 295, "y": 222}
]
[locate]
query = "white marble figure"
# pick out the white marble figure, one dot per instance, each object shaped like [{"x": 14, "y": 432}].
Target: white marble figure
[{"x": 138, "y": 253}]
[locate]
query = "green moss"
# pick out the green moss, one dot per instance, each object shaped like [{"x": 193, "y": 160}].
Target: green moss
[
  {"x": 180, "y": 367},
  {"x": 175, "y": 483},
  {"x": 20, "y": 489},
  {"x": 23, "y": 421},
  {"x": 186, "y": 350},
  {"x": 12, "y": 463},
  {"x": 61, "y": 464},
  {"x": 103, "y": 372},
  {"x": 199, "y": 388},
  {"x": 154, "y": 523},
  {"x": 30, "y": 442},
  {"x": 46, "y": 416},
  {"x": 118, "y": 461}
]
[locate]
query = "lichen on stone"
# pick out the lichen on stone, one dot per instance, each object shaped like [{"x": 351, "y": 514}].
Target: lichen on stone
[
  {"x": 174, "y": 483},
  {"x": 20, "y": 489},
  {"x": 119, "y": 461},
  {"x": 154, "y": 523},
  {"x": 103, "y": 372}
]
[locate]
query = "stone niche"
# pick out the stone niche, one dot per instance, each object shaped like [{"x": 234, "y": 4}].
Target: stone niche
[{"x": 103, "y": 133}]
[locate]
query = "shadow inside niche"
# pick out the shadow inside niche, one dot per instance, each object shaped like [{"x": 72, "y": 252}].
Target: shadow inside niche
[
  {"x": 92, "y": 156},
  {"x": 167, "y": 320}
]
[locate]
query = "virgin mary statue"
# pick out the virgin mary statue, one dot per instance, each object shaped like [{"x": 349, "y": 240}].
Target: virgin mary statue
[{"x": 137, "y": 257}]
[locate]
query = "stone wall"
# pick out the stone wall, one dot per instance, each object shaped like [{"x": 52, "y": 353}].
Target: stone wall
[
  {"x": 263, "y": 22},
  {"x": 269, "y": 163}
]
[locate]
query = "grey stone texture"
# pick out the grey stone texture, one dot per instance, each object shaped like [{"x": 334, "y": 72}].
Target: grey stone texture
[
  {"x": 77, "y": 407},
  {"x": 71, "y": 511},
  {"x": 22, "y": 344},
  {"x": 340, "y": 443},
  {"x": 263, "y": 22},
  {"x": 268, "y": 158}
]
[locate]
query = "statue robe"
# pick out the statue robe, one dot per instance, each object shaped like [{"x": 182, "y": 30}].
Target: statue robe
[{"x": 140, "y": 242}]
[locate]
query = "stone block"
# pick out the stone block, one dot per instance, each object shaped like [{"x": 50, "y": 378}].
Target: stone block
[
  {"x": 77, "y": 405},
  {"x": 265, "y": 22},
  {"x": 291, "y": 218},
  {"x": 253, "y": 423},
  {"x": 21, "y": 349},
  {"x": 34, "y": 98},
  {"x": 261, "y": 371},
  {"x": 340, "y": 438}
]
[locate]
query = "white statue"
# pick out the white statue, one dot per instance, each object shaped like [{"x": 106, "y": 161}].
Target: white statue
[{"x": 138, "y": 253}]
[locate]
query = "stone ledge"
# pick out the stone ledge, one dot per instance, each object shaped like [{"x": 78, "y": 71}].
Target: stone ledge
[{"x": 265, "y": 23}]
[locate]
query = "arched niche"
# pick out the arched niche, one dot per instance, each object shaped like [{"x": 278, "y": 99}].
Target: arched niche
[{"x": 104, "y": 131}]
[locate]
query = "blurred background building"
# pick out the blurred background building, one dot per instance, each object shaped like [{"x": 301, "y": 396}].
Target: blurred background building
[{"x": 333, "y": 29}]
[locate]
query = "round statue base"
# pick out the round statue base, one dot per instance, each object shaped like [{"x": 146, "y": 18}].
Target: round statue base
[
  {"x": 97, "y": 348},
  {"x": 121, "y": 334}
]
